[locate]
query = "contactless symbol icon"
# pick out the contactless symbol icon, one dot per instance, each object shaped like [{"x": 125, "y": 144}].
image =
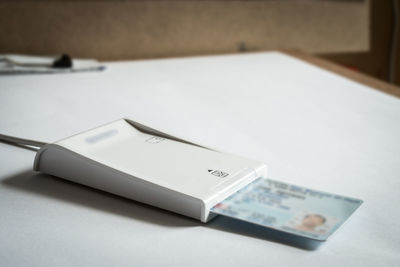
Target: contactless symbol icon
[{"x": 218, "y": 173}]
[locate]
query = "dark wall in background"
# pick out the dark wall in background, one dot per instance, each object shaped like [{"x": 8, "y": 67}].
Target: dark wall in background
[
  {"x": 356, "y": 33},
  {"x": 374, "y": 62},
  {"x": 131, "y": 29}
]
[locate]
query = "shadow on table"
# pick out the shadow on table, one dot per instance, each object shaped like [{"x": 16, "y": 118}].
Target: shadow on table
[
  {"x": 59, "y": 189},
  {"x": 63, "y": 190},
  {"x": 256, "y": 231}
]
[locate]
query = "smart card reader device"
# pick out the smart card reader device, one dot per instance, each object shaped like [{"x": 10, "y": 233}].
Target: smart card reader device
[
  {"x": 132, "y": 160},
  {"x": 129, "y": 159}
]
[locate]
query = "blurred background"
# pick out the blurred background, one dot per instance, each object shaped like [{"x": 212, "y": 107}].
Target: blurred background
[{"x": 359, "y": 34}]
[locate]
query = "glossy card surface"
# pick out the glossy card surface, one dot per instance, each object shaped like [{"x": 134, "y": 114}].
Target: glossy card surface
[{"x": 289, "y": 208}]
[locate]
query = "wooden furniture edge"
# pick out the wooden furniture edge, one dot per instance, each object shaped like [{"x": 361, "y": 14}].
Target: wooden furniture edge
[{"x": 345, "y": 72}]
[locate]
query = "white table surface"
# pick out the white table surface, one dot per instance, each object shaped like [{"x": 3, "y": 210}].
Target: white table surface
[{"x": 312, "y": 128}]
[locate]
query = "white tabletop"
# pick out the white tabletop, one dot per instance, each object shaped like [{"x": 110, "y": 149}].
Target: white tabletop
[{"x": 313, "y": 128}]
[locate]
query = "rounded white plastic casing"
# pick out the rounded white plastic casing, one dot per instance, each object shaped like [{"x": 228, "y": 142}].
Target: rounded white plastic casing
[{"x": 131, "y": 160}]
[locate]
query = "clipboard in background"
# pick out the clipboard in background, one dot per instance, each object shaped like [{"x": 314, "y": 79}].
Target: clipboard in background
[{"x": 23, "y": 64}]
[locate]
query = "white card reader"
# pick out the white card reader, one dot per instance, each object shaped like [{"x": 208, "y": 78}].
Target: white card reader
[{"x": 134, "y": 161}]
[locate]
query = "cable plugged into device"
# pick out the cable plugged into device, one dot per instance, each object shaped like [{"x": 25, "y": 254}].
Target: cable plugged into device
[{"x": 25, "y": 143}]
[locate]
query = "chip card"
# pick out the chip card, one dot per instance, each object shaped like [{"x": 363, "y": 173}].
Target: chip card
[{"x": 289, "y": 208}]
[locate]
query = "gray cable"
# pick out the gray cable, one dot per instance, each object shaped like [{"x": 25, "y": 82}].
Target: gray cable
[{"x": 21, "y": 142}]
